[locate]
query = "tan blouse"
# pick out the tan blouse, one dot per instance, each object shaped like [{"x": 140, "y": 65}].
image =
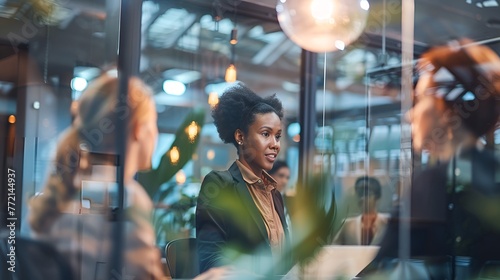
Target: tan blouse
[{"x": 260, "y": 189}]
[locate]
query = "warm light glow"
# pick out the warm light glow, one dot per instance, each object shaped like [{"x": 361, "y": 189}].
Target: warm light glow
[
  {"x": 213, "y": 99},
  {"x": 12, "y": 119},
  {"x": 319, "y": 25},
  {"x": 322, "y": 10},
  {"x": 192, "y": 131},
  {"x": 231, "y": 74},
  {"x": 296, "y": 138},
  {"x": 174, "y": 155},
  {"x": 180, "y": 177},
  {"x": 210, "y": 154},
  {"x": 74, "y": 108}
]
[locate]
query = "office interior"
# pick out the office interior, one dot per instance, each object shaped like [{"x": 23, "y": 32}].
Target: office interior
[{"x": 344, "y": 109}]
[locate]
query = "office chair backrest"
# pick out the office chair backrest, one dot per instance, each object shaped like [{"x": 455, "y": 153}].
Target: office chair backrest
[
  {"x": 182, "y": 258},
  {"x": 34, "y": 260}
]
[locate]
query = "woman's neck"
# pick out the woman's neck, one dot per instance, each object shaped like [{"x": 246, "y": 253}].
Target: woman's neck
[{"x": 257, "y": 173}]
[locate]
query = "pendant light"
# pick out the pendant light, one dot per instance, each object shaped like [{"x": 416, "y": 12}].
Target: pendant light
[
  {"x": 231, "y": 72},
  {"x": 322, "y": 25}
]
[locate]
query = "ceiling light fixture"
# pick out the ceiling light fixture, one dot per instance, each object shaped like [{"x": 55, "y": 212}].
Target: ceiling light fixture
[
  {"x": 322, "y": 25},
  {"x": 78, "y": 83},
  {"x": 234, "y": 36},
  {"x": 231, "y": 72},
  {"x": 213, "y": 99},
  {"x": 173, "y": 87}
]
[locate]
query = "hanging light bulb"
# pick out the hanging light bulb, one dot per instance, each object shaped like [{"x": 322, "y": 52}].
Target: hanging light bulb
[
  {"x": 234, "y": 37},
  {"x": 322, "y": 25},
  {"x": 174, "y": 155},
  {"x": 213, "y": 99},
  {"x": 231, "y": 73},
  {"x": 192, "y": 131}
]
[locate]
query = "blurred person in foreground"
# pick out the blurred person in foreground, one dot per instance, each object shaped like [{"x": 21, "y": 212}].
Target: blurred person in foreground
[
  {"x": 240, "y": 221},
  {"x": 369, "y": 227},
  {"x": 85, "y": 161},
  {"x": 455, "y": 201}
]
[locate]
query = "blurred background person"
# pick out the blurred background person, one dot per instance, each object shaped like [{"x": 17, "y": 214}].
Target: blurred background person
[
  {"x": 455, "y": 200},
  {"x": 240, "y": 219},
  {"x": 369, "y": 227},
  {"x": 86, "y": 160},
  {"x": 281, "y": 173}
]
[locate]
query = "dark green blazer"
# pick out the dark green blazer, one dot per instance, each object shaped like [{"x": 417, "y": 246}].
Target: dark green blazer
[{"x": 230, "y": 228}]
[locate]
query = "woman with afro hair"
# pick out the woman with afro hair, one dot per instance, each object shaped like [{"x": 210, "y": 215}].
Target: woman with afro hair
[{"x": 240, "y": 221}]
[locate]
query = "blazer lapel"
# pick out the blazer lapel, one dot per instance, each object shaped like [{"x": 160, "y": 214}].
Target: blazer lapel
[{"x": 247, "y": 200}]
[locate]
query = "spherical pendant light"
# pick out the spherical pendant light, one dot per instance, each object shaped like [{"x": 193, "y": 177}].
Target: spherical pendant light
[{"x": 322, "y": 25}]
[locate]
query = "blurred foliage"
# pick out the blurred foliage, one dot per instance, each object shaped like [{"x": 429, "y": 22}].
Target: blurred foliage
[
  {"x": 314, "y": 219},
  {"x": 154, "y": 178},
  {"x": 176, "y": 219}
]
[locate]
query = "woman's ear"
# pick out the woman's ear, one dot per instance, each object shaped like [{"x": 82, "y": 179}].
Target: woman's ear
[{"x": 238, "y": 136}]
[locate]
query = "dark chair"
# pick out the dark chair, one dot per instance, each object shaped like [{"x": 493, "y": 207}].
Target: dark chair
[
  {"x": 182, "y": 258},
  {"x": 34, "y": 260}
]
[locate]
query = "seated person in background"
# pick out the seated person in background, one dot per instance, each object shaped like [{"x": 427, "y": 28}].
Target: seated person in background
[
  {"x": 281, "y": 173},
  {"x": 86, "y": 157},
  {"x": 240, "y": 219},
  {"x": 367, "y": 228}
]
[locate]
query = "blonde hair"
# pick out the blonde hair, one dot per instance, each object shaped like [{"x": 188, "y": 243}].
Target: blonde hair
[{"x": 93, "y": 132}]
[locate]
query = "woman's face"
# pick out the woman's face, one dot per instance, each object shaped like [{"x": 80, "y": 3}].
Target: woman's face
[
  {"x": 149, "y": 137},
  {"x": 427, "y": 118},
  {"x": 261, "y": 145},
  {"x": 424, "y": 120},
  {"x": 282, "y": 176},
  {"x": 368, "y": 203}
]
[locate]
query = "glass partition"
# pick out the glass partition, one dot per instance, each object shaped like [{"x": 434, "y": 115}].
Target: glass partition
[{"x": 363, "y": 143}]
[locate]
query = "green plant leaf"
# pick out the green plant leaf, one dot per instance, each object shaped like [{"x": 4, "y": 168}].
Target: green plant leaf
[{"x": 152, "y": 180}]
